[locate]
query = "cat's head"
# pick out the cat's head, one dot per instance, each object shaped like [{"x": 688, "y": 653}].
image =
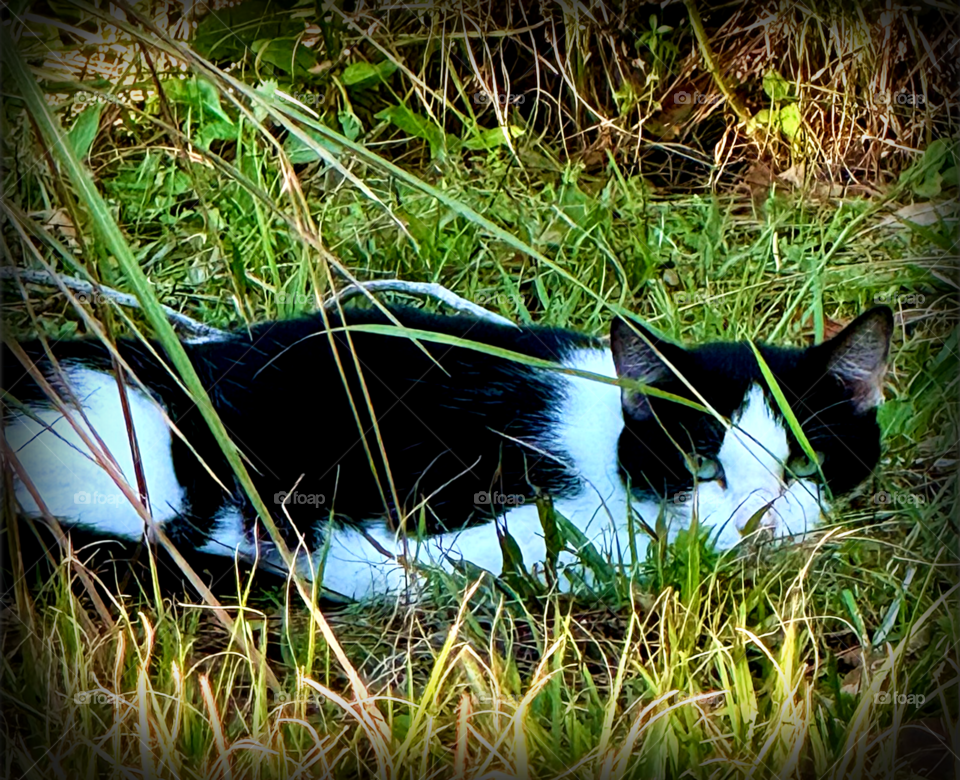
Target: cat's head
[{"x": 731, "y": 472}]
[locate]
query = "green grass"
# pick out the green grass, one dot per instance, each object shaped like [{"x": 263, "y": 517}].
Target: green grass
[{"x": 779, "y": 663}]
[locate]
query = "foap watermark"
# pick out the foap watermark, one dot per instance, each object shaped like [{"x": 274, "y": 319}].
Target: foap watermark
[
  {"x": 684, "y": 98},
  {"x": 95, "y": 697},
  {"x": 683, "y": 297},
  {"x": 910, "y": 299},
  {"x": 307, "y": 98},
  {"x": 486, "y": 498},
  {"x": 482, "y": 98},
  {"x": 295, "y": 299},
  {"x": 96, "y": 497},
  {"x": 899, "y": 99},
  {"x": 892, "y": 697},
  {"x": 92, "y": 298},
  {"x": 494, "y": 300},
  {"x": 96, "y": 97},
  {"x": 883, "y": 498},
  {"x": 296, "y": 497}
]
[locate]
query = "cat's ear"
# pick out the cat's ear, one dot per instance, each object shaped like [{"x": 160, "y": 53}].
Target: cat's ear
[
  {"x": 857, "y": 355},
  {"x": 635, "y": 357}
]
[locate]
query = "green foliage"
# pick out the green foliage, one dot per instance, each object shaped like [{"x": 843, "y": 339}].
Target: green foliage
[
  {"x": 84, "y": 130},
  {"x": 417, "y": 126},
  {"x": 935, "y": 171},
  {"x": 783, "y": 118},
  {"x": 286, "y": 54},
  {"x": 360, "y": 75},
  {"x": 776, "y": 86},
  {"x": 230, "y": 33}
]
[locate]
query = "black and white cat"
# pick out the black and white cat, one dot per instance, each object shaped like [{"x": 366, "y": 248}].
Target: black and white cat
[{"x": 470, "y": 439}]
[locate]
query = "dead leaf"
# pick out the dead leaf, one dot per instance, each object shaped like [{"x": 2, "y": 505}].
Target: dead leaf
[
  {"x": 830, "y": 328},
  {"x": 758, "y": 180},
  {"x": 851, "y": 681},
  {"x": 922, "y": 214},
  {"x": 58, "y": 221},
  {"x": 794, "y": 175},
  {"x": 828, "y": 191}
]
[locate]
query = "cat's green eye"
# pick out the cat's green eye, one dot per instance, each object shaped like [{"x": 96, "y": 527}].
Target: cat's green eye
[
  {"x": 704, "y": 468},
  {"x": 802, "y": 466}
]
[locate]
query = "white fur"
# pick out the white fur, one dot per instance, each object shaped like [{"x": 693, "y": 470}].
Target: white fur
[
  {"x": 229, "y": 535},
  {"x": 752, "y": 455},
  {"x": 65, "y": 473}
]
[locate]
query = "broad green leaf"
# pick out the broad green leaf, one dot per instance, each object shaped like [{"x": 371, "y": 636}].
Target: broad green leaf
[
  {"x": 365, "y": 74},
  {"x": 267, "y": 89},
  {"x": 142, "y": 179},
  {"x": 199, "y": 94},
  {"x": 210, "y": 99},
  {"x": 228, "y": 33},
  {"x": 492, "y": 138},
  {"x": 790, "y": 122},
  {"x": 950, "y": 178},
  {"x": 288, "y": 54},
  {"x": 299, "y": 152},
  {"x": 935, "y": 153},
  {"x": 84, "y": 130},
  {"x": 934, "y": 170},
  {"x": 931, "y": 185},
  {"x": 174, "y": 182},
  {"x": 350, "y": 124},
  {"x": 415, "y": 125},
  {"x": 216, "y": 131},
  {"x": 776, "y": 86},
  {"x": 762, "y": 116},
  {"x": 895, "y": 417}
]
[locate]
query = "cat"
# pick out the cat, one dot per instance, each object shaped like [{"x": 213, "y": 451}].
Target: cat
[{"x": 471, "y": 439}]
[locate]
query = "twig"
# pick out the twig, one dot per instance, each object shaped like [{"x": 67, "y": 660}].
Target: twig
[
  {"x": 197, "y": 330},
  {"x": 419, "y": 290},
  {"x": 714, "y": 70},
  {"x": 89, "y": 291}
]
